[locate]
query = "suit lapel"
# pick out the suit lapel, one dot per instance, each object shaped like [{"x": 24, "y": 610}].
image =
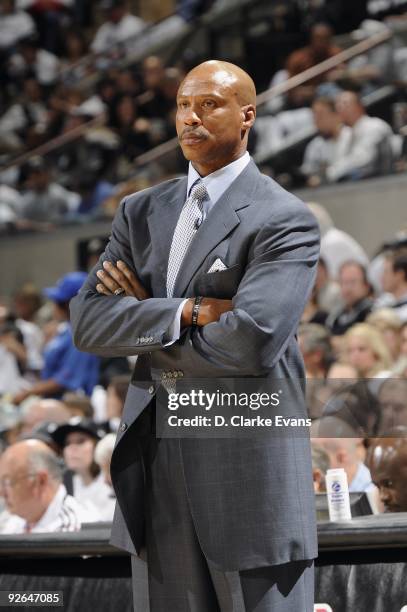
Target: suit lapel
[
  {"x": 162, "y": 221},
  {"x": 221, "y": 220}
]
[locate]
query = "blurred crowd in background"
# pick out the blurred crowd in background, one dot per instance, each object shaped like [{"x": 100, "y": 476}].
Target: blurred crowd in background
[
  {"x": 62, "y": 73},
  {"x": 60, "y": 408}
]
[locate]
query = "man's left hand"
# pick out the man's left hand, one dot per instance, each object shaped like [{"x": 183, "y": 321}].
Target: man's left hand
[{"x": 119, "y": 276}]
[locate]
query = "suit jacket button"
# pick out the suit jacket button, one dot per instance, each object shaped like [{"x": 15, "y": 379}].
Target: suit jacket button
[
  {"x": 123, "y": 427},
  {"x": 151, "y": 389}
]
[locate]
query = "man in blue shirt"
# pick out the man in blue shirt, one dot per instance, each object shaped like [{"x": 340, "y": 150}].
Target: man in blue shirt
[{"x": 65, "y": 368}]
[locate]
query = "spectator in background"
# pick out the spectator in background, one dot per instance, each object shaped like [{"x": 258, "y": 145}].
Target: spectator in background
[
  {"x": 326, "y": 148},
  {"x": 314, "y": 342},
  {"x": 78, "y": 405},
  {"x": 115, "y": 397},
  {"x": 103, "y": 455},
  {"x": 389, "y": 325},
  {"x": 65, "y": 368},
  {"x": 27, "y": 302},
  {"x": 341, "y": 444},
  {"x": 394, "y": 281},
  {"x": 356, "y": 298},
  {"x": 119, "y": 26},
  {"x": 31, "y": 483},
  {"x": 78, "y": 439},
  {"x": 32, "y": 59},
  {"x": 312, "y": 312},
  {"x": 366, "y": 351},
  {"x": 368, "y": 151},
  {"x": 387, "y": 460},
  {"x": 51, "y": 16},
  {"x": 39, "y": 411},
  {"x": 315, "y": 346},
  {"x": 133, "y": 131},
  {"x": 44, "y": 200},
  {"x": 12, "y": 359},
  {"x": 74, "y": 49},
  {"x": 152, "y": 75},
  {"x": 24, "y": 122},
  {"x": 320, "y": 48},
  {"x": 320, "y": 466},
  {"x": 337, "y": 246},
  {"x": 355, "y": 402},
  {"x": 15, "y": 24},
  {"x": 392, "y": 397},
  {"x": 328, "y": 292}
]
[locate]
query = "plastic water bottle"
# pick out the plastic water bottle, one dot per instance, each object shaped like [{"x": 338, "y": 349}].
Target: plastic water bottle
[{"x": 337, "y": 491}]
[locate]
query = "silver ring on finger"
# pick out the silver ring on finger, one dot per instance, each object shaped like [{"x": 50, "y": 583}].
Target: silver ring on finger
[{"x": 119, "y": 291}]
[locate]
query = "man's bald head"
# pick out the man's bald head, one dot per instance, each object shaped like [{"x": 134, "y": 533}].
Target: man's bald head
[
  {"x": 228, "y": 75},
  {"x": 30, "y": 474},
  {"x": 20, "y": 454},
  {"x": 215, "y": 111}
]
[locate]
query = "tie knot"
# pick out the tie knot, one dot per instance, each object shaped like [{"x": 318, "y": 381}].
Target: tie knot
[{"x": 198, "y": 191}]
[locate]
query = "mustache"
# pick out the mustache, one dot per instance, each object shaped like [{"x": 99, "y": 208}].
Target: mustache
[{"x": 197, "y": 132}]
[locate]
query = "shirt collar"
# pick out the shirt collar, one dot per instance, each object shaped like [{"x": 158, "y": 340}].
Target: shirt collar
[{"x": 217, "y": 182}]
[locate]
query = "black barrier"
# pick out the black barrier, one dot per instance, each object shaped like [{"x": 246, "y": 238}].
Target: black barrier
[{"x": 362, "y": 566}]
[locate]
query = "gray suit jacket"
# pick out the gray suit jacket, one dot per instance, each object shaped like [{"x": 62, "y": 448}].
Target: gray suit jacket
[{"x": 252, "y": 500}]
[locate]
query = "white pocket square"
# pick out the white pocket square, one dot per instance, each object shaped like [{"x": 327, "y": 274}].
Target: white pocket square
[{"x": 217, "y": 266}]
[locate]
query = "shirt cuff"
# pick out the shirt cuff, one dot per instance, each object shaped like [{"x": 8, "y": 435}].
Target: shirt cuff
[{"x": 174, "y": 330}]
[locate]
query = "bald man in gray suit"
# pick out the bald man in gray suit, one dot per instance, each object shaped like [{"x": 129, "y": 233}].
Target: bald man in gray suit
[{"x": 206, "y": 277}]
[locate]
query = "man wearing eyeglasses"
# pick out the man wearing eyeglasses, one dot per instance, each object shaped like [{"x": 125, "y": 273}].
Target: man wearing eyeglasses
[{"x": 31, "y": 484}]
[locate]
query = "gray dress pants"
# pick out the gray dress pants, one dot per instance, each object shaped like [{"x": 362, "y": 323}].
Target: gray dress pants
[{"x": 178, "y": 578}]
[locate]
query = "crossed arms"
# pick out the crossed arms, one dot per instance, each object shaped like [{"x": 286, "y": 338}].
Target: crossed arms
[{"x": 246, "y": 336}]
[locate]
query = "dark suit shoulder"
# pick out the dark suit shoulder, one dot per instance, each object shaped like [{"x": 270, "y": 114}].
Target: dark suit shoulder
[{"x": 139, "y": 197}]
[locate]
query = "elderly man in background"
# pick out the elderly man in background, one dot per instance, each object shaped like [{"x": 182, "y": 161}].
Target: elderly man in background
[
  {"x": 31, "y": 484},
  {"x": 343, "y": 451}
]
